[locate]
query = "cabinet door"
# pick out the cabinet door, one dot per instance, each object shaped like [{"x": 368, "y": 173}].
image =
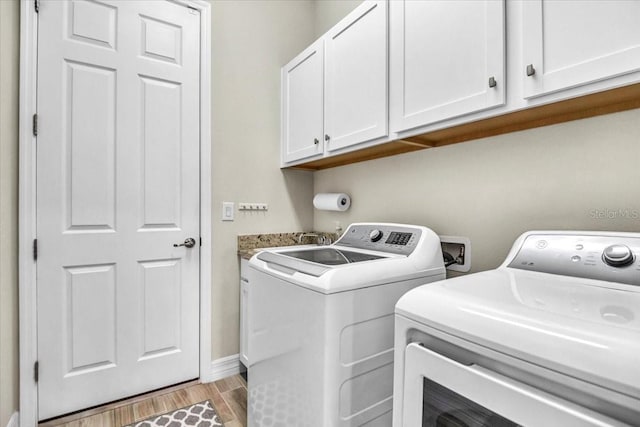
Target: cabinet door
[
  {"x": 572, "y": 43},
  {"x": 447, "y": 59},
  {"x": 302, "y": 100},
  {"x": 244, "y": 313},
  {"x": 356, "y": 77}
]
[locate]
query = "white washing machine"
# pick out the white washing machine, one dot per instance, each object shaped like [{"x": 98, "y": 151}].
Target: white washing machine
[
  {"x": 550, "y": 338},
  {"x": 321, "y": 325}
]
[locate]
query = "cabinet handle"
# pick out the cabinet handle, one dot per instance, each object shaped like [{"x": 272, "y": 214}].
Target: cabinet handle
[
  {"x": 530, "y": 70},
  {"x": 492, "y": 82},
  {"x": 327, "y": 138},
  {"x": 315, "y": 141}
]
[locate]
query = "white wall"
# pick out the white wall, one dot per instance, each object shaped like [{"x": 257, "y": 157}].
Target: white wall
[
  {"x": 9, "y": 66},
  {"x": 327, "y": 13},
  {"x": 252, "y": 40},
  {"x": 558, "y": 177}
]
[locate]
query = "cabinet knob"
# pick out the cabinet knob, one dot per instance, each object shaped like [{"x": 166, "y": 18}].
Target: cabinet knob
[
  {"x": 492, "y": 82},
  {"x": 530, "y": 70},
  {"x": 315, "y": 141},
  {"x": 327, "y": 138}
]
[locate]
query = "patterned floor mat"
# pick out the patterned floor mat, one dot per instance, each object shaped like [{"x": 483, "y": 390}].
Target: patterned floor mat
[{"x": 199, "y": 415}]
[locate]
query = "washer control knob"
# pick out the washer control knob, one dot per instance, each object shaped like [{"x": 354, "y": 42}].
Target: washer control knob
[
  {"x": 617, "y": 255},
  {"x": 375, "y": 235}
]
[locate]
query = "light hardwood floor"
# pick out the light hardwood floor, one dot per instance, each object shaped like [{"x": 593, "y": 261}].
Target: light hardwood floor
[{"x": 228, "y": 396}]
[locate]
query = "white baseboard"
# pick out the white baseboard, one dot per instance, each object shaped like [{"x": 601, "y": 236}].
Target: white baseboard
[
  {"x": 14, "y": 421},
  {"x": 223, "y": 367}
]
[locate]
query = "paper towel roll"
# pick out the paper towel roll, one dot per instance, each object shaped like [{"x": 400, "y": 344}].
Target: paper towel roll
[{"x": 332, "y": 201}]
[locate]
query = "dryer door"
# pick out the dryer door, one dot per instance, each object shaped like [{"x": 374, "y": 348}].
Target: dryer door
[{"x": 440, "y": 392}]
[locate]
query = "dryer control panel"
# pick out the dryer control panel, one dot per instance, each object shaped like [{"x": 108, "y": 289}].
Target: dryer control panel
[
  {"x": 614, "y": 258},
  {"x": 391, "y": 238}
]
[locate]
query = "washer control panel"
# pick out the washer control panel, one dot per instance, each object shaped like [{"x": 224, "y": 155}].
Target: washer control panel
[
  {"x": 614, "y": 258},
  {"x": 381, "y": 237}
]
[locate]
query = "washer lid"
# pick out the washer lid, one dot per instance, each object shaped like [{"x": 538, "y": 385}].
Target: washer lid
[
  {"x": 331, "y": 256},
  {"x": 317, "y": 261},
  {"x": 329, "y": 279},
  {"x": 584, "y": 328}
]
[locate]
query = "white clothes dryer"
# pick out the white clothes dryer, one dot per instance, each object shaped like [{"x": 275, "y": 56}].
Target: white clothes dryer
[{"x": 550, "y": 338}]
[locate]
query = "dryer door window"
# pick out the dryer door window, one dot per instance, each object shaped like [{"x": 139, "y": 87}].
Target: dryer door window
[{"x": 442, "y": 407}]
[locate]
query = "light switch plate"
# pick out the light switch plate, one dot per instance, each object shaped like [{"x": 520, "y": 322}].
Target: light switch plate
[{"x": 227, "y": 211}]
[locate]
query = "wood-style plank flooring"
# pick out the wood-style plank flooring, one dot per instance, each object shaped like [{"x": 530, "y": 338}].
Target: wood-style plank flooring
[{"x": 228, "y": 396}]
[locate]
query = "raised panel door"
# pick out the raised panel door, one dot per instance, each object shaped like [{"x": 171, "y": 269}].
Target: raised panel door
[
  {"x": 447, "y": 60},
  {"x": 573, "y": 43},
  {"x": 302, "y": 101},
  {"x": 356, "y": 77},
  {"x": 117, "y": 186}
]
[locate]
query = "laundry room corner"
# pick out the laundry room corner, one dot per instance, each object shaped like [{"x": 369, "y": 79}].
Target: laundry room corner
[{"x": 251, "y": 41}]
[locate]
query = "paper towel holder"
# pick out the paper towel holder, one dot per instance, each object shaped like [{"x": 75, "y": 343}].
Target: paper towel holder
[{"x": 332, "y": 201}]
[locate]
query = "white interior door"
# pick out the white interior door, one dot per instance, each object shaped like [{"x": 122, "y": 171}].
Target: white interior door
[{"x": 117, "y": 186}]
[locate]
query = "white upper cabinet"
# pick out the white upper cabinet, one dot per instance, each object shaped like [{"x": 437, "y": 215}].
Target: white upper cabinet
[
  {"x": 447, "y": 60},
  {"x": 399, "y": 75},
  {"x": 302, "y": 104},
  {"x": 573, "y": 43},
  {"x": 334, "y": 94},
  {"x": 356, "y": 77}
]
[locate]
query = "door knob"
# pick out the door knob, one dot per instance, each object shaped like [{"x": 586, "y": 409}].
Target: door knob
[{"x": 189, "y": 242}]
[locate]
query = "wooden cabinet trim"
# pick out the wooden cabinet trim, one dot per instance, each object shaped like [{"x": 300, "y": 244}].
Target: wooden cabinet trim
[{"x": 606, "y": 102}]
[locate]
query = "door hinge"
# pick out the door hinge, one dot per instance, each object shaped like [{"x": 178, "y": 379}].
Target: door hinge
[
  {"x": 35, "y": 249},
  {"x": 35, "y": 125},
  {"x": 201, "y": 241},
  {"x": 36, "y": 371},
  {"x": 36, "y": 5}
]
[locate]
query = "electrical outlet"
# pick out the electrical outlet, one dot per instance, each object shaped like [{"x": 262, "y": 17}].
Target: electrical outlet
[{"x": 460, "y": 249}]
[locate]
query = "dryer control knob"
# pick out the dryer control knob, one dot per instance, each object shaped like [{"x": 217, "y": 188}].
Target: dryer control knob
[
  {"x": 617, "y": 255},
  {"x": 375, "y": 235}
]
